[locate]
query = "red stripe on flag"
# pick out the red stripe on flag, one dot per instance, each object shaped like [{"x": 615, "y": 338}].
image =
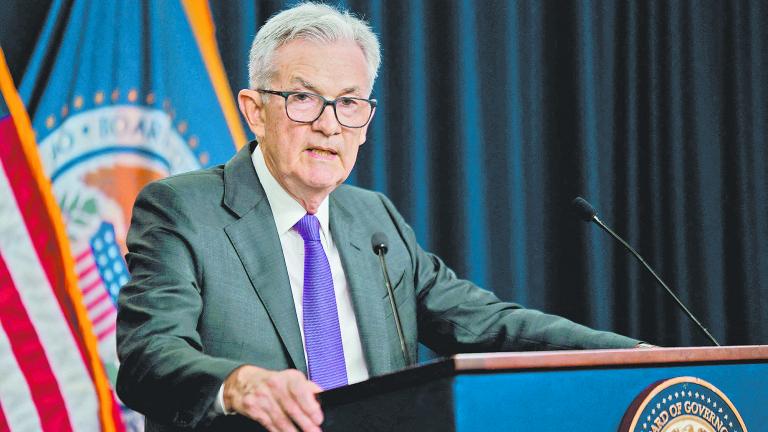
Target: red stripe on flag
[
  {"x": 86, "y": 271},
  {"x": 41, "y": 231},
  {"x": 3, "y": 421},
  {"x": 102, "y": 334},
  {"x": 100, "y": 317},
  {"x": 83, "y": 255},
  {"x": 30, "y": 356},
  {"x": 117, "y": 416},
  {"x": 97, "y": 300},
  {"x": 96, "y": 283}
]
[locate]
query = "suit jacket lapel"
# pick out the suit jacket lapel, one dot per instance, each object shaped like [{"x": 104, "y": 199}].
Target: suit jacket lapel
[
  {"x": 256, "y": 241},
  {"x": 360, "y": 266}
]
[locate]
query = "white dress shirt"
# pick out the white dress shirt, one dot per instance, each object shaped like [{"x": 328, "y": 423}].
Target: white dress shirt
[{"x": 287, "y": 212}]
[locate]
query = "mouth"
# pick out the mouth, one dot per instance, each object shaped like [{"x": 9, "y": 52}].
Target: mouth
[{"x": 322, "y": 153}]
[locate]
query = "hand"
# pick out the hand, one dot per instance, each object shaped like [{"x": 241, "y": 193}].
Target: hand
[{"x": 278, "y": 400}]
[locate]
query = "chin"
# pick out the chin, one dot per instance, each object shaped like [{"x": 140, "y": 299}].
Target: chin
[
  {"x": 320, "y": 184},
  {"x": 324, "y": 180}
]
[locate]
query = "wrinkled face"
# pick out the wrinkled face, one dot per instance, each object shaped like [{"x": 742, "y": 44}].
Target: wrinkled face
[{"x": 309, "y": 158}]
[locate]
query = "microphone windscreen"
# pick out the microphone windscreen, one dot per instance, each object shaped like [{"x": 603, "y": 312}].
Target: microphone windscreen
[
  {"x": 583, "y": 209},
  {"x": 379, "y": 241}
]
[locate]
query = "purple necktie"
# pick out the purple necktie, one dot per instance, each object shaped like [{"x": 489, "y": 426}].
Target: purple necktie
[{"x": 322, "y": 334}]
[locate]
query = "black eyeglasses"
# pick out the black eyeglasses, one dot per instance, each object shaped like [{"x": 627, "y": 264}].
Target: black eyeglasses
[{"x": 305, "y": 107}]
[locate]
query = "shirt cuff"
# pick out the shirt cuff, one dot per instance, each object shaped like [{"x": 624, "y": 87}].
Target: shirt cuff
[{"x": 218, "y": 406}]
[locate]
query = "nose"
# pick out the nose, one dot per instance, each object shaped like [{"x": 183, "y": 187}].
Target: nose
[{"x": 327, "y": 123}]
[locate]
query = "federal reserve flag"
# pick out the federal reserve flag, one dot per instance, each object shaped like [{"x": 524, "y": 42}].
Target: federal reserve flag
[
  {"x": 121, "y": 93},
  {"x": 51, "y": 376}
]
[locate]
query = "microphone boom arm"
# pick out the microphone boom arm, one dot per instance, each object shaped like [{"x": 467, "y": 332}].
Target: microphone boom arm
[
  {"x": 395, "y": 314},
  {"x": 600, "y": 223}
]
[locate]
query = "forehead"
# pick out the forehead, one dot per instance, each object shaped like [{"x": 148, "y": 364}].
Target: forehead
[{"x": 327, "y": 67}]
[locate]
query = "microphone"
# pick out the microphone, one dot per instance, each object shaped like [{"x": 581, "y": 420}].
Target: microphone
[
  {"x": 588, "y": 213},
  {"x": 379, "y": 245}
]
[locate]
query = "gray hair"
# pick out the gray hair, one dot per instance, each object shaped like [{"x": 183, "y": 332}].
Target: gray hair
[{"x": 309, "y": 21}]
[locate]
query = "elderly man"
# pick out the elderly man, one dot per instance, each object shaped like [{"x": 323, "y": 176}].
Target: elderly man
[{"x": 253, "y": 284}]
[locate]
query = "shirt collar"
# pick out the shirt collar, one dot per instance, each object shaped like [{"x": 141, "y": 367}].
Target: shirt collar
[{"x": 286, "y": 210}]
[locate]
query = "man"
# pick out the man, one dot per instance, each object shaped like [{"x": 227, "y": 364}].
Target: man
[{"x": 249, "y": 276}]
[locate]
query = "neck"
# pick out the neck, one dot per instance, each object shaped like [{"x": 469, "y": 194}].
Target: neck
[{"x": 310, "y": 202}]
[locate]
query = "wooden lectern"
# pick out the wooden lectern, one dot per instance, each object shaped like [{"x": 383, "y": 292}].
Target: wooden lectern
[{"x": 570, "y": 391}]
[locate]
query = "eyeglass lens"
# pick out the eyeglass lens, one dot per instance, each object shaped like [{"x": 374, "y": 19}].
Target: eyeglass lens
[{"x": 306, "y": 107}]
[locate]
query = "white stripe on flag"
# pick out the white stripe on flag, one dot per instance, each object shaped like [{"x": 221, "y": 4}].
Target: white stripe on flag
[
  {"x": 84, "y": 258},
  {"x": 15, "y": 396},
  {"x": 104, "y": 324},
  {"x": 44, "y": 311},
  {"x": 108, "y": 344},
  {"x": 88, "y": 279},
  {"x": 93, "y": 295},
  {"x": 100, "y": 308}
]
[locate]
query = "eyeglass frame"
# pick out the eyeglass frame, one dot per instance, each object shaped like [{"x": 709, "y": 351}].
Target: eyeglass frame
[{"x": 326, "y": 102}]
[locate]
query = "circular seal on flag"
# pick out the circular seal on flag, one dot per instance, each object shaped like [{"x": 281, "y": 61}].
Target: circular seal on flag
[
  {"x": 98, "y": 160},
  {"x": 682, "y": 404}
]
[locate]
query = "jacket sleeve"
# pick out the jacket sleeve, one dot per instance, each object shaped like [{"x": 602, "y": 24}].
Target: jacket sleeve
[
  {"x": 455, "y": 315},
  {"x": 164, "y": 372}
]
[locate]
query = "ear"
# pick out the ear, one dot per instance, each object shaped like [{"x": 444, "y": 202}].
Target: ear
[{"x": 253, "y": 110}]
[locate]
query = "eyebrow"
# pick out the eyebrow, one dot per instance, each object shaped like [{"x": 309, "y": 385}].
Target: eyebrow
[{"x": 309, "y": 86}]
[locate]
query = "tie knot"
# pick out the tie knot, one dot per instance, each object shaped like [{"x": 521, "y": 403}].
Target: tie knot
[{"x": 308, "y": 227}]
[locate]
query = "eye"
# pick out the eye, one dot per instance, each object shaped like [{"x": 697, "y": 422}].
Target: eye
[
  {"x": 347, "y": 102},
  {"x": 301, "y": 97}
]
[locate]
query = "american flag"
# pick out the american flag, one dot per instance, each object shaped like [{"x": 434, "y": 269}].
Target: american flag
[
  {"x": 52, "y": 377},
  {"x": 101, "y": 271}
]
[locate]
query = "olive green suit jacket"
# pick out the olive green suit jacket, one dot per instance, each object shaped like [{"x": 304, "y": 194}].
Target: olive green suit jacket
[{"x": 210, "y": 292}]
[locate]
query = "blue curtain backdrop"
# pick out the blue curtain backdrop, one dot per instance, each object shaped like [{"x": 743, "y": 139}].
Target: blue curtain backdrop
[{"x": 493, "y": 115}]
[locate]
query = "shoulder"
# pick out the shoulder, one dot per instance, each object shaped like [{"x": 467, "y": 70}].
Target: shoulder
[
  {"x": 204, "y": 184},
  {"x": 201, "y": 180},
  {"x": 355, "y": 195},
  {"x": 356, "y": 198},
  {"x": 371, "y": 208},
  {"x": 192, "y": 198}
]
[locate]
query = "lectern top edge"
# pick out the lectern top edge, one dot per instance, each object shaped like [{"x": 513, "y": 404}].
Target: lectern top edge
[
  {"x": 607, "y": 358},
  {"x": 542, "y": 360}
]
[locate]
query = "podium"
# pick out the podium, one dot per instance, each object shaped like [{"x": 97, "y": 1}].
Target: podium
[{"x": 600, "y": 390}]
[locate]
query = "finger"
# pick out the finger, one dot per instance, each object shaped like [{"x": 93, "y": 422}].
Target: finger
[
  {"x": 279, "y": 417},
  {"x": 263, "y": 419},
  {"x": 275, "y": 390},
  {"x": 304, "y": 395},
  {"x": 297, "y": 414},
  {"x": 262, "y": 408},
  {"x": 314, "y": 387}
]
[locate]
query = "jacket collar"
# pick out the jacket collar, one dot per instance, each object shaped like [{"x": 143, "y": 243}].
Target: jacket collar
[{"x": 242, "y": 189}]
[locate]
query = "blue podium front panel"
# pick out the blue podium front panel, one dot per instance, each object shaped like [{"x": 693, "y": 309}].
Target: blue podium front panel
[{"x": 594, "y": 399}]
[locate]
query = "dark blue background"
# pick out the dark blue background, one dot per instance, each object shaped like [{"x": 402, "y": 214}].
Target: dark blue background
[{"x": 494, "y": 115}]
